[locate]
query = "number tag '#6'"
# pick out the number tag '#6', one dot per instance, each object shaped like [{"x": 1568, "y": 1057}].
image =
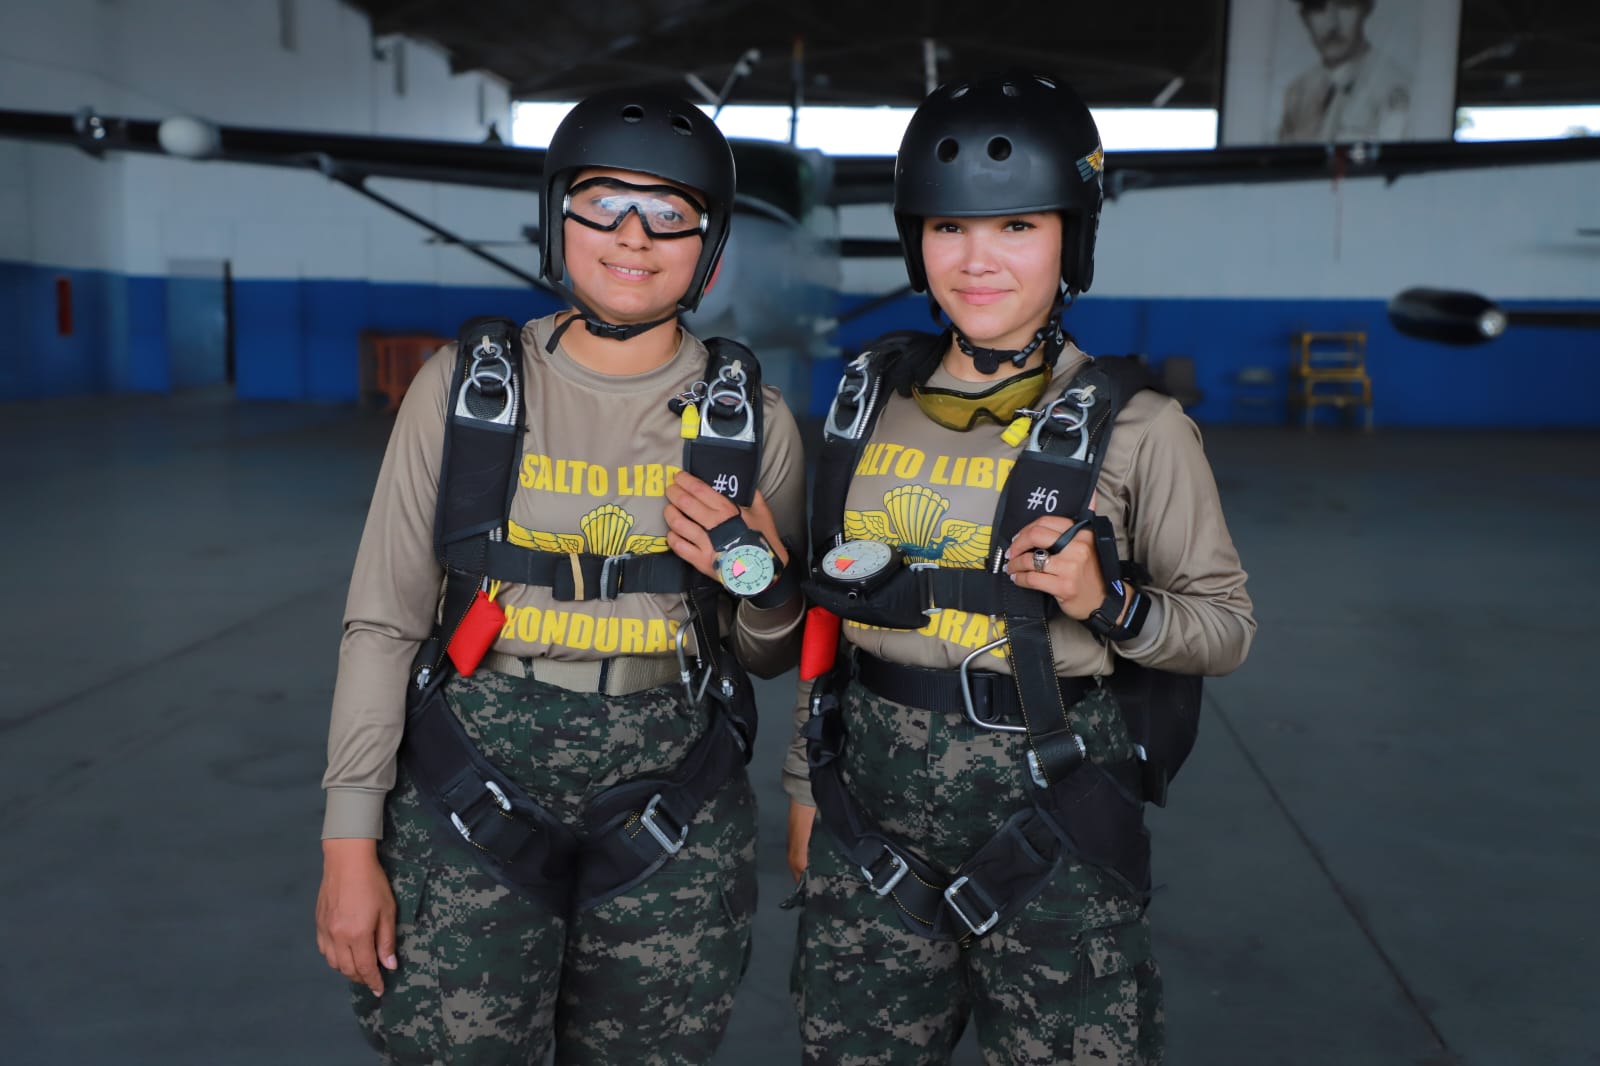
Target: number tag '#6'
[{"x": 1042, "y": 499}]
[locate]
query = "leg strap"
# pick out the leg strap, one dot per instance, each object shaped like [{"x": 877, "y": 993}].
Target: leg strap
[
  {"x": 632, "y": 829},
  {"x": 519, "y": 842},
  {"x": 1093, "y": 812}
]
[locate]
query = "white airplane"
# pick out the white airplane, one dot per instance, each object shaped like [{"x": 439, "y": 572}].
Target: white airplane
[{"x": 781, "y": 271}]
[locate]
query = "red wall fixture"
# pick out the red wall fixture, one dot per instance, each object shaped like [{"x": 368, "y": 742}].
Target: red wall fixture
[{"x": 64, "y": 306}]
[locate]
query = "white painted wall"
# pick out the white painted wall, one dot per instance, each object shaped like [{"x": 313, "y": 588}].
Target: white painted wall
[
  {"x": 224, "y": 61},
  {"x": 1510, "y": 233}
]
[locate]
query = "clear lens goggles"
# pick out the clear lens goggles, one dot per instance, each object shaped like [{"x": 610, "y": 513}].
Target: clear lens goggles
[{"x": 665, "y": 211}]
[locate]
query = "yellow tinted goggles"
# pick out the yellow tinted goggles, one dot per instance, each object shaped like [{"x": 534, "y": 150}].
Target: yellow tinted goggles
[{"x": 999, "y": 403}]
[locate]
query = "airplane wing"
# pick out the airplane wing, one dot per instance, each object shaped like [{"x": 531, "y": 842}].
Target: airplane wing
[
  {"x": 336, "y": 155},
  {"x": 784, "y": 180},
  {"x": 855, "y": 179},
  {"x": 870, "y": 179}
]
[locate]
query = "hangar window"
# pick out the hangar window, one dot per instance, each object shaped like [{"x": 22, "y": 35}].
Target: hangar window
[
  {"x": 878, "y": 130},
  {"x": 1527, "y": 123}
]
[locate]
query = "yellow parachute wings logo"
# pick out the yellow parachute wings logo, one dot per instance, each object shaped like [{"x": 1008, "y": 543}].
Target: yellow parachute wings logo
[
  {"x": 913, "y": 521},
  {"x": 605, "y": 532}
]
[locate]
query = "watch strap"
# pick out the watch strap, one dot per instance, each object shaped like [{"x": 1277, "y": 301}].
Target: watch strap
[
  {"x": 730, "y": 531},
  {"x": 777, "y": 594},
  {"x": 1102, "y": 621}
]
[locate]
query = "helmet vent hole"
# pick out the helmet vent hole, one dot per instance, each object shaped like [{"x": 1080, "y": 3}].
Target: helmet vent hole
[
  {"x": 1010, "y": 90},
  {"x": 948, "y": 149},
  {"x": 633, "y": 113},
  {"x": 1042, "y": 80},
  {"x": 1000, "y": 149},
  {"x": 682, "y": 126},
  {"x": 958, "y": 92}
]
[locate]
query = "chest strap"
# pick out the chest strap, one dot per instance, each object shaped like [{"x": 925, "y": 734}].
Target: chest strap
[
  {"x": 587, "y": 576},
  {"x": 989, "y": 696}
]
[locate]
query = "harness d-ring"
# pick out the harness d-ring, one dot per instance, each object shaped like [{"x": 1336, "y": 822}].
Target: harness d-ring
[
  {"x": 490, "y": 372},
  {"x": 726, "y": 397},
  {"x": 966, "y": 692}
]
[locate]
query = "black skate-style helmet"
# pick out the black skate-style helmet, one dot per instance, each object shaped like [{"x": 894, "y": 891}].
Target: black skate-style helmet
[
  {"x": 651, "y": 132},
  {"x": 998, "y": 145}
]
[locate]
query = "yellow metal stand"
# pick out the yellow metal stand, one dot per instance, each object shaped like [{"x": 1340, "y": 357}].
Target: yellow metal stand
[{"x": 1330, "y": 369}]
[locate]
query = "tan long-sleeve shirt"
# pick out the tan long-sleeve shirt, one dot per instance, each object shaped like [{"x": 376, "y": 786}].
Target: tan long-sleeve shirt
[
  {"x": 937, "y": 489},
  {"x": 598, "y": 453}
]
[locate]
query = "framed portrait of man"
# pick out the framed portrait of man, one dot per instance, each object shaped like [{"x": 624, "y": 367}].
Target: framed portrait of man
[{"x": 1340, "y": 71}]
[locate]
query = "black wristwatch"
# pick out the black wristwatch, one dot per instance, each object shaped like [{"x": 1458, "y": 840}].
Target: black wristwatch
[
  {"x": 1102, "y": 621},
  {"x": 747, "y": 565}
]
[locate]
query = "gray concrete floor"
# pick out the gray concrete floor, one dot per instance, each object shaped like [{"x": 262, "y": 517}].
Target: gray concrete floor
[{"x": 1383, "y": 851}]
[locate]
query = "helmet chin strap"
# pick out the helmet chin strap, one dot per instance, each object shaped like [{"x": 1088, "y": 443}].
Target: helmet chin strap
[
  {"x": 597, "y": 325},
  {"x": 988, "y": 360}
]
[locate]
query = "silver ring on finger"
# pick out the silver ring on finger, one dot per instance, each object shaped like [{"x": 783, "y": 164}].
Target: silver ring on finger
[{"x": 1040, "y": 558}]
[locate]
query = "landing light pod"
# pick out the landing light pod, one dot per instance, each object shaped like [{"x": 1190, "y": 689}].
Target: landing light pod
[
  {"x": 1447, "y": 316},
  {"x": 189, "y": 138}
]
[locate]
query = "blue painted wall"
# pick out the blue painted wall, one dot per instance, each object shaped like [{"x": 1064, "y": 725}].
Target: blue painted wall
[
  {"x": 296, "y": 340},
  {"x": 1531, "y": 378}
]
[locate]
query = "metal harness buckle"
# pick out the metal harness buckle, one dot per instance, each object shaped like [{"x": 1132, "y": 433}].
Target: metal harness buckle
[
  {"x": 611, "y": 575},
  {"x": 491, "y": 379},
  {"x": 648, "y": 818},
  {"x": 1065, "y": 415},
  {"x": 897, "y": 865},
  {"x": 951, "y": 895},
  {"x": 851, "y": 395},
  {"x": 1036, "y": 767},
  {"x": 500, "y": 801}
]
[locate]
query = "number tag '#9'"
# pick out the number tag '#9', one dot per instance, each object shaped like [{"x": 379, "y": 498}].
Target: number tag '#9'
[{"x": 729, "y": 467}]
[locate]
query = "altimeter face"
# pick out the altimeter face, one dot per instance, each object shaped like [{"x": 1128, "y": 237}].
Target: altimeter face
[
  {"x": 746, "y": 569},
  {"x": 857, "y": 561}
]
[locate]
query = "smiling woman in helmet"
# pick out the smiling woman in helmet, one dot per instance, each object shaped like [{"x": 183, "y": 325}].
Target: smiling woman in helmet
[
  {"x": 539, "y": 831},
  {"x": 1029, "y": 555}
]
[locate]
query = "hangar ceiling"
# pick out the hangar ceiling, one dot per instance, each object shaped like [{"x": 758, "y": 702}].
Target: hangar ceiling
[{"x": 1512, "y": 51}]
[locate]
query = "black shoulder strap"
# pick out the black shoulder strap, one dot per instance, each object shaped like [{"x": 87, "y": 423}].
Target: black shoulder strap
[
  {"x": 857, "y": 402},
  {"x": 482, "y": 438},
  {"x": 1056, "y": 474},
  {"x": 1060, "y": 465},
  {"x": 1115, "y": 379},
  {"x": 725, "y": 452},
  {"x": 483, "y": 433}
]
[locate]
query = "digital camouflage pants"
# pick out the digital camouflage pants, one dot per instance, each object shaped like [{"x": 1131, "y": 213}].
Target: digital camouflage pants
[
  {"x": 1071, "y": 978},
  {"x": 487, "y": 975}
]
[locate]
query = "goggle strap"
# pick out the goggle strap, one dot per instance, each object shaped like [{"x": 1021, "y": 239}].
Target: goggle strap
[{"x": 597, "y": 325}]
